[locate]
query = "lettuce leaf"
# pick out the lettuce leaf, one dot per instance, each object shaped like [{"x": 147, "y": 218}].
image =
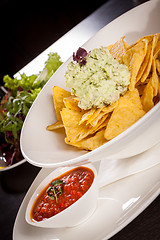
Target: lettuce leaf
[{"x": 16, "y": 104}]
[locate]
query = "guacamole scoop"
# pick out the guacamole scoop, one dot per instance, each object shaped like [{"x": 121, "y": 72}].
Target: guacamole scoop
[{"x": 99, "y": 81}]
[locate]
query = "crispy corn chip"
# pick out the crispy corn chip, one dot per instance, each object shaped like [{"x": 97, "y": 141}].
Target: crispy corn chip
[
  {"x": 155, "y": 79},
  {"x": 145, "y": 61},
  {"x": 87, "y": 115},
  {"x": 119, "y": 49},
  {"x": 55, "y": 125},
  {"x": 75, "y": 131},
  {"x": 71, "y": 120},
  {"x": 157, "y": 48},
  {"x": 72, "y": 103},
  {"x": 151, "y": 90},
  {"x": 149, "y": 65},
  {"x": 94, "y": 115},
  {"x": 109, "y": 47},
  {"x": 158, "y": 66},
  {"x": 58, "y": 95},
  {"x": 133, "y": 58},
  {"x": 91, "y": 142},
  {"x": 124, "y": 115},
  {"x": 147, "y": 97},
  {"x": 134, "y": 98}
]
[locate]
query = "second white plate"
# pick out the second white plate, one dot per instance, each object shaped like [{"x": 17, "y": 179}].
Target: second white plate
[{"x": 118, "y": 204}]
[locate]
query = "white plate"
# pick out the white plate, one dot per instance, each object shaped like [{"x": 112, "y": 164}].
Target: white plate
[
  {"x": 13, "y": 165},
  {"x": 48, "y": 149},
  {"x": 118, "y": 204}
]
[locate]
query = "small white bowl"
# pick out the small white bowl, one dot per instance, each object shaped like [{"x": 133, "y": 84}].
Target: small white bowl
[{"x": 72, "y": 216}]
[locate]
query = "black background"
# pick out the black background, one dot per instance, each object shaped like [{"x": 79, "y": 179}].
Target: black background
[{"x": 29, "y": 27}]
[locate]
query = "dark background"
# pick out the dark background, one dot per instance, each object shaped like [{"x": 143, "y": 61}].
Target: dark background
[{"x": 27, "y": 29}]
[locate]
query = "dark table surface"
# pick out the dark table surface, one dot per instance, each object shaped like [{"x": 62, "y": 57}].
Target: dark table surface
[{"x": 19, "y": 51}]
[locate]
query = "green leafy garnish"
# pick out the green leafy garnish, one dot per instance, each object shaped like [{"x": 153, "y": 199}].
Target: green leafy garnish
[
  {"x": 16, "y": 103},
  {"x": 55, "y": 190}
]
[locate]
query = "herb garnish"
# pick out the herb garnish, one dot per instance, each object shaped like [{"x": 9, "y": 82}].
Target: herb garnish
[
  {"x": 80, "y": 56},
  {"x": 55, "y": 190}
]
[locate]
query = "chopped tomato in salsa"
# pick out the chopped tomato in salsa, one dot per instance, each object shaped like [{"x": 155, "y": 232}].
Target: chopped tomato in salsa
[{"x": 61, "y": 193}]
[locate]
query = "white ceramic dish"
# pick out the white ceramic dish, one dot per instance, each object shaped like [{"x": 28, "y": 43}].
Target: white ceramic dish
[
  {"x": 48, "y": 149},
  {"x": 13, "y": 166},
  {"x": 72, "y": 216},
  {"x": 118, "y": 204}
]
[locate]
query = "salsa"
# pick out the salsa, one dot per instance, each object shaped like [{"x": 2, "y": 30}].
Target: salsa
[{"x": 61, "y": 193}]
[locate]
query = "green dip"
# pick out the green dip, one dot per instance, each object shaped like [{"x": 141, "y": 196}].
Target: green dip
[{"x": 101, "y": 81}]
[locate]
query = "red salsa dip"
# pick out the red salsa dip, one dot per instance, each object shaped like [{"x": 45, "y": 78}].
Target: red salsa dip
[{"x": 61, "y": 193}]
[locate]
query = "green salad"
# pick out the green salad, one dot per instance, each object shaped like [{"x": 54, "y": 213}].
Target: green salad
[{"x": 15, "y": 104}]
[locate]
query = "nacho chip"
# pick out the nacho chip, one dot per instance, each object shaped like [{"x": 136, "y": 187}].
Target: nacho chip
[
  {"x": 151, "y": 90},
  {"x": 124, "y": 115},
  {"x": 149, "y": 65},
  {"x": 133, "y": 58},
  {"x": 147, "y": 97},
  {"x": 58, "y": 95},
  {"x": 72, "y": 103},
  {"x": 71, "y": 120},
  {"x": 157, "y": 48},
  {"x": 55, "y": 125},
  {"x": 145, "y": 61},
  {"x": 119, "y": 49},
  {"x": 91, "y": 142},
  {"x": 87, "y": 115},
  {"x": 75, "y": 131},
  {"x": 158, "y": 66},
  {"x": 155, "y": 79},
  {"x": 134, "y": 98},
  {"x": 94, "y": 115}
]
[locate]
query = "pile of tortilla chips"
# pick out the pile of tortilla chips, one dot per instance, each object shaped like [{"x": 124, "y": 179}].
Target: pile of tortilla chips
[{"x": 89, "y": 129}]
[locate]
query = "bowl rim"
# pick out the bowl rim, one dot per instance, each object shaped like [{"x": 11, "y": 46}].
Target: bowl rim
[
  {"x": 86, "y": 157},
  {"x": 57, "y": 172}
]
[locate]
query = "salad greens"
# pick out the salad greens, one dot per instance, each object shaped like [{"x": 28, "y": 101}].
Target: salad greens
[{"x": 16, "y": 103}]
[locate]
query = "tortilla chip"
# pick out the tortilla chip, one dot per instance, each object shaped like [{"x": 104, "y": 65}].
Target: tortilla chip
[
  {"x": 149, "y": 65},
  {"x": 95, "y": 114},
  {"x": 72, "y": 103},
  {"x": 134, "y": 98},
  {"x": 133, "y": 58},
  {"x": 151, "y": 90},
  {"x": 147, "y": 97},
  {"x": 75, "y": 131},
  {"x": 158, "y": 66},
  {"x": 155, "y": 79},
  {"x": 124, "y": 115},
  {"x": 91, "y": 142},
  {"x": 157, "y": 48},
  {"x": 87, "y": 115},
  {"x": 55, "y": 125},
  {"x": 109, "y": 46},
  {"x": 58, "y": 95},
  {"x": 119, "y": 49},
  {"x": 145, "y": 61}
]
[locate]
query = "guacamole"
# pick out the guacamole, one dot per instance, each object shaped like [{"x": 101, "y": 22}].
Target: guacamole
[{"x": 100, "y": 81}]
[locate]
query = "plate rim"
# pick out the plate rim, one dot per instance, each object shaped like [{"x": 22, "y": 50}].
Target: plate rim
[
  {"x": 88, "y": 155},
  {"x": 149, "y": 198}
]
